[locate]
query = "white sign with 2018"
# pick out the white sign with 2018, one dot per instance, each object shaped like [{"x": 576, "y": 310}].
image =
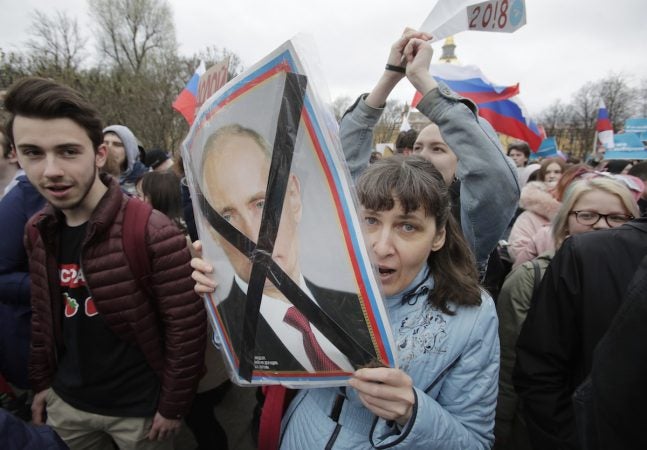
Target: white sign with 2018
[{"x": 497, "y": 15}]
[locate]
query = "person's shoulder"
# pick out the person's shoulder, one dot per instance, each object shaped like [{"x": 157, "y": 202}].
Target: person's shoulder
[
  {"x": 519, "y": 275},
  {"x": 606, "y": 242},
  {"x": 485, "y": 310},
  {"x": 638, "y": 224},
  {"x": 158, "y": 222},
  {"x": 487, "y": 305}
]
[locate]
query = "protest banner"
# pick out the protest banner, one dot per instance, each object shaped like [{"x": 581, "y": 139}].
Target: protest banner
[
  {"x": 297, "y": 302},
  {"x": 626, "y": 146},
  {"x": 636, "y": 125},
  {"x": 547, "y": 149},
  {"x": 449, "y": 17},
  {"x": 186, "y": 103},
  {"x": 212, "y": 80}
]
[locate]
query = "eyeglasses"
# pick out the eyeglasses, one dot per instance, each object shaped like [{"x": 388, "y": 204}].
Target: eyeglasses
[{"x": 590, "y": 218}]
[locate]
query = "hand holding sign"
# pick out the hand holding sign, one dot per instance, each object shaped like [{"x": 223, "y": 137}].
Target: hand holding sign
[
  {"x": 451, "y": 17},
  {"x": 418, "y": 55}
]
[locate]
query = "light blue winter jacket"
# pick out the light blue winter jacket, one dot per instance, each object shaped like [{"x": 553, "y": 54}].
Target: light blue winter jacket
[
  {"x": 489, "y": 188},
  {"x": 454, "y": 364}
]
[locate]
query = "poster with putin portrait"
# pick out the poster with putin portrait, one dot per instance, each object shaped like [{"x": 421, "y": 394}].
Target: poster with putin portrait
[{"x": 297, "y": 302}]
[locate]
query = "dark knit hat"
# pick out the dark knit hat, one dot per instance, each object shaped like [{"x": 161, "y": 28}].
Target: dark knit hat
[{"x": 155, "y": 157}]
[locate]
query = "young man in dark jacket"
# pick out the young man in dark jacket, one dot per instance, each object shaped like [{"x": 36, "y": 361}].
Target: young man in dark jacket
[{"x": 108, "y": 361}]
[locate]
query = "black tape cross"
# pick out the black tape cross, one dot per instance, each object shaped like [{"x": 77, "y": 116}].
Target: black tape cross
[{"x": 263, "y": 266}]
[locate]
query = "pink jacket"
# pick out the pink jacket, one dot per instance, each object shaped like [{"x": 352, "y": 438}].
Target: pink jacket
[{"x": 531, "y": 234}]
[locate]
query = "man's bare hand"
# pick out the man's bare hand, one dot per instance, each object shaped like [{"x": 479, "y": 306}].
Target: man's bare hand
[
  {"x": 163, "y": 428},
  {"x": 38, "y": 407}
]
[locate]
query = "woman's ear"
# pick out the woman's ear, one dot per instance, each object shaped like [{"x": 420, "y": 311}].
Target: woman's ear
[{"x": 438, "y": 240}]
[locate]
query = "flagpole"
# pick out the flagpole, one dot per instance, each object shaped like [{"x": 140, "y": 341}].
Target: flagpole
[{"x": 595, "y": 144}]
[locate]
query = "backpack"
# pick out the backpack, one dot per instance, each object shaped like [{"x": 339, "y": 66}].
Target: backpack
[{"x": 136, "y": 215}]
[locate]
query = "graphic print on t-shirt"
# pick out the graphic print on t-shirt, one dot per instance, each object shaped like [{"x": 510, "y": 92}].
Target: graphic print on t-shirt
[
  {"x": 72, "y": 283},
  {"x": 71, "y": 306}
]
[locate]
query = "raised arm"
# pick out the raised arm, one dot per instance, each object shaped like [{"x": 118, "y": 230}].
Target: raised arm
[
  {"x": 356, "y": 127},
  {"x": 489, "y": 187}
]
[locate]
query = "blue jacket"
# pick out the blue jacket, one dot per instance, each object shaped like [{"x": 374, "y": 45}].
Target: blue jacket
[
  {"x": 489, "y": 189},
  {"x": 18, "y": 435},
  {"x": 20, "y": 203},
  {"x": 454, "y": 364}
]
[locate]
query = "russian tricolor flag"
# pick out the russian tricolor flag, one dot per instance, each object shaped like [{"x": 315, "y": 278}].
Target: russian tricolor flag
[
  {"x": 604, "y": 127},
  {"x": 469, "y": 82},
  {"x": 510, "y": 118},
  {"x": 186, "y": 102},
  {"x": 496, "y": 105}
]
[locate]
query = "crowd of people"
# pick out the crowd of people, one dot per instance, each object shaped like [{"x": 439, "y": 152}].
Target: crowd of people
[{"x": 514, "y": 289}]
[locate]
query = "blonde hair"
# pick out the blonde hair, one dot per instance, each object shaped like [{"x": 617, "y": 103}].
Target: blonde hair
[{"x": 581, "y": 187}]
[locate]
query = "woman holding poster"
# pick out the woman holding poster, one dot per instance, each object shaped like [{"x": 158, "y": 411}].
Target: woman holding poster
[{"x": 443, "y": 395}]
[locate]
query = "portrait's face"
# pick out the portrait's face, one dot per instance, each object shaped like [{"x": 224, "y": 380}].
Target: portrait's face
[
  {"x": 235, "y": 179},
  {"x": 400, "y": 244},
  {"x": 518, "y": 157},
  {"x": 59, "y": 159},
  {"x": 431, "y": 146},
  {"x": 116, "y": 150}
]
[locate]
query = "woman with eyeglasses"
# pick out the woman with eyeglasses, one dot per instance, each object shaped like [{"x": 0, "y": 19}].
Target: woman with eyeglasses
[
  {"x": 572, "y": 308},
  {"x": 588, "y": 205}
]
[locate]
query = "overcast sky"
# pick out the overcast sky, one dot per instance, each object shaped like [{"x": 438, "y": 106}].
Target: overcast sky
[{"x": 563, "y": 45}]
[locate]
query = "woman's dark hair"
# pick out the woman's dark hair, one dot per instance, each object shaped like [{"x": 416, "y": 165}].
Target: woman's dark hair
[
  {"x": 405, "y": 139},
  {"x": 46, "y": 99},
  {"x": 415, "y": 183},
  {"x": 162, "y": 190},
  {"x": 541, "y": 175}
]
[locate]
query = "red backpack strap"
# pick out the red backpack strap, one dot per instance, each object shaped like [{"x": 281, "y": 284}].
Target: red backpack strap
[{"x": 136, "y": 215}]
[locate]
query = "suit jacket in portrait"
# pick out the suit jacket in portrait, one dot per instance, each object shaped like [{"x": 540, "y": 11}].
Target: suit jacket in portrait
[{"x": 343, "y": 307}]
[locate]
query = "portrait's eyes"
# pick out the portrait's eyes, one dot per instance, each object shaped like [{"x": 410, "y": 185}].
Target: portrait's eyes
[
  {"x": 260, "y": 204},
  {"x": 227, "y": 216}
]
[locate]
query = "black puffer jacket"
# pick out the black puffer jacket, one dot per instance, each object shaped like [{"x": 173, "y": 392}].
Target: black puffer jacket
[
  {"x": 574, "y": 306},
  {"x": 170, "y": 331}
]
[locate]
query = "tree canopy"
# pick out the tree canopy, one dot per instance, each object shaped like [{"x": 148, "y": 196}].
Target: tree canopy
[{"x": 140, "y": 71}]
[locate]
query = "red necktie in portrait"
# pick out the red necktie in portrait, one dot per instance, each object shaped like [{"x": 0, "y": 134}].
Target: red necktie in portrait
[{"x": 318, "y": 358}]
